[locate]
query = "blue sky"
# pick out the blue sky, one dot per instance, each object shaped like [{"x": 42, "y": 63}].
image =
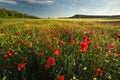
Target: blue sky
[{"x": 63, "y": 8}]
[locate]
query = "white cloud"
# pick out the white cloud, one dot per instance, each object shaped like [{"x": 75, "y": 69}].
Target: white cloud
[
  {"x": 111, "y": 2},
  {"x": 8, "y": 1},
  {"x": 111, "y": 7},
  {"x": 40, "y": 1},
  {"x": 112, "y": 12},
  {"x": 106, "y": 11},
  {"x": 84, "y": 10},
  {"x": 108, "y": 7}
]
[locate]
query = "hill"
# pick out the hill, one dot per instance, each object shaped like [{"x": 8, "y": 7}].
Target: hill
[
  {"x": 4, "y": 13},
  {"x": 95, "y": 16}
]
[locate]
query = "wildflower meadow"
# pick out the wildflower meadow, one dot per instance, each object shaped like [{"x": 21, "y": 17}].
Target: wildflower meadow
[{"x": 59, "y": 50}]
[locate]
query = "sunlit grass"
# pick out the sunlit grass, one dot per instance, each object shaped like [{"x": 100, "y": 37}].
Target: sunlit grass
[{"x": 59, "y": 49}]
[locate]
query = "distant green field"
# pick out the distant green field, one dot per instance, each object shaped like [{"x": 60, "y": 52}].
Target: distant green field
[
  {"x": 85, "y": 19},
  {"x": 64, "y": 19},
  {"x": 15, "y": 21}
]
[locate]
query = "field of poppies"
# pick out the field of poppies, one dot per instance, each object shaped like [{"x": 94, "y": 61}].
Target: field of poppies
[{"x": 59, "y": 50}]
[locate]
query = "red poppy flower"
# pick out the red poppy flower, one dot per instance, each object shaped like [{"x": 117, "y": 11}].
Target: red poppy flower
[
  {"x": 99, "y": 71},
  {"x": 31, "y": 43},
  {"x": 84, "y": 46},
  {"x": 111, "y": 46},
  {"x": 55, "y": 33},
  {"x": 21, "y": 41},
  {"x": 87, "y": 39},
  {"x": 21, "y": 66},
  {"x": 5, "y": 55},
  {"x": 118, "y": 35},
  {"x": 10, "y": 53},
  {"x": 118, "y": 55},
  {"x": 93, "y": 33},
  {"x": 29, "y": 33},
  {"x": 41, "y": 54},
  {"x": 24, "y": 59},
  {"x": 50, "y": 46},
  {"x": 44, "y": 41},
  {"x": 47, "y": 66},
  {"x": 61, "y": 77},
  {"x": 38, "y": 39},
  {"x": 96, "y": 46},
  {"x": 53, "y": 39},
  {"x": 30, "y": 27},
  {"x": 17, "y": 33},
  {"x": 60, "y": 42},
  {"x": 72, "y": 41},
  {"x": 50, "y": 62},
  {"x": 56, "y": 52}
]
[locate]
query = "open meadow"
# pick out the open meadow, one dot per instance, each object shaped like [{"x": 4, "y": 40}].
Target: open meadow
[{"x": 59, "y": 49}]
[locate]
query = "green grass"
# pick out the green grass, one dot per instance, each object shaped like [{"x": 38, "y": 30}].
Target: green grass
[
  {"x": 85, "y": 19},
  {"x": 32, "y": 42}
]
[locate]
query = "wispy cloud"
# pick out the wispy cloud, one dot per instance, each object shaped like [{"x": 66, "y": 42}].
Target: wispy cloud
[
  {"x": 40, "y": 1},
  {"x": 106, "y": 7},
  {"x": 8, "y": 1},
  {"x": 84, "y": 10},
  {"x": 110, "y": 7},
  {"x": 111, "y": 2},
  {"x": 110, "y": 11},
  {"x": 105, "y": 11}
]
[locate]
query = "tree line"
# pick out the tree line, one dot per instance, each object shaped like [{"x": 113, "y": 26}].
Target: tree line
[
  {"x": 95, "y": 16},
  {"x": 4, "y": 13}
]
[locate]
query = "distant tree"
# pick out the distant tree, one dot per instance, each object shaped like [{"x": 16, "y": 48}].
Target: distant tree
[
  {"x": 4, "y": 13},
  {"x": 11, "y": 14}
]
